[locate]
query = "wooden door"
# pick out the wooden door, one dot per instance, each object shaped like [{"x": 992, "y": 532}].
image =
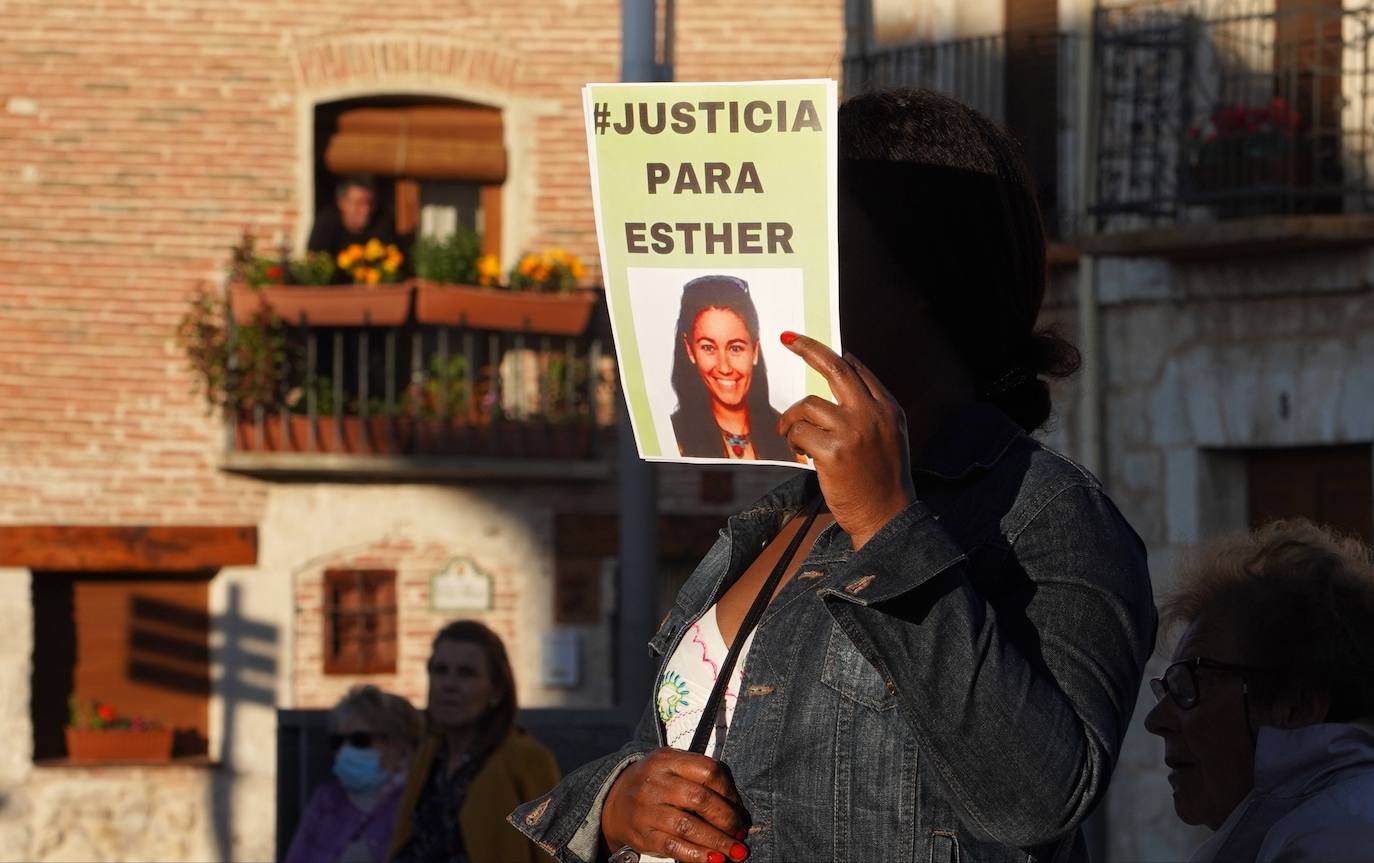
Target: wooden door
[{"x": 1332, "y": 486}]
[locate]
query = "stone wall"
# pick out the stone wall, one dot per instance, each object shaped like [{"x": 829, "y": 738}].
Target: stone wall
[{"x": 1205, "y": 360}]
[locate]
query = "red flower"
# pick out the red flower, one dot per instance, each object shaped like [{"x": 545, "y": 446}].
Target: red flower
[
  {"x": 106, "y": 713},
  {"x": 274, "y": 272}
]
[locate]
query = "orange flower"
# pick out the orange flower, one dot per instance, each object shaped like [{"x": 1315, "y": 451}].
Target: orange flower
[
  {"x": 374, "y": 249},
  {"x": 374, "y": 275},
  {"x": 349, "y": 256},
  {"x": 488, "y": 270}
]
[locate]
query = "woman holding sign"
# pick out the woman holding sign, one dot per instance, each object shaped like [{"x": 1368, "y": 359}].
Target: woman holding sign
[
  {"x": 720, "y": 378},
  {"x": 931, "y": 648}
]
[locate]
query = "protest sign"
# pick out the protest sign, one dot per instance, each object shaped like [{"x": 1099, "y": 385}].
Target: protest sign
[{"x": 715, "y": 214}]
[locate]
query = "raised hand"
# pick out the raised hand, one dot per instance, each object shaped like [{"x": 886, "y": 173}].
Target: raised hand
[{"x": 859, "y": 446}]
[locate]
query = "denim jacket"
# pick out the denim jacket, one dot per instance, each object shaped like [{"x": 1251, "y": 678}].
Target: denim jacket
[{"x": 955, "y": 690}]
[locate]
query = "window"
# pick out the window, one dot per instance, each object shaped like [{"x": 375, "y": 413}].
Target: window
[
  {"x": 138, "y": 642},
  {"x": 437, "y": 162},
  {"x": 359, "y": 621}
]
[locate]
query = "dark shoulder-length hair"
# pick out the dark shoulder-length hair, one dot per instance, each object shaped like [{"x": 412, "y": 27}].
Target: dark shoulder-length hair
[
  {"x": 948, "y": 194},
  {"x": 693, "y": 421},
  {"x": 498, "y": 721}
]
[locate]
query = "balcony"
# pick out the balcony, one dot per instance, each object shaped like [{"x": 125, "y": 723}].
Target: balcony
[
  {"x": 1025, "y": 81},
  {"x": 410, "y": 399},
  {"x": 1224, "y": 128}
]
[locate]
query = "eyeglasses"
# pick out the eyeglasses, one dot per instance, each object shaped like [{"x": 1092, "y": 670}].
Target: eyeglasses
[
  {"x": 357, "y": 739},
  {"x": 1179, "y": 680}
]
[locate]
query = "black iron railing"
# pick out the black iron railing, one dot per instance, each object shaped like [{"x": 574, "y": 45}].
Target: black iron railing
[
  {"x": 425, "y": 390},
  {"x": 1025, "y": 81},
  {"x": 1242, "y": 108}
]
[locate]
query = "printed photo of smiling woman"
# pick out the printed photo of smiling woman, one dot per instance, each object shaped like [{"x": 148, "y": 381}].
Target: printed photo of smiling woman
[{"x": 720, "y": 377}]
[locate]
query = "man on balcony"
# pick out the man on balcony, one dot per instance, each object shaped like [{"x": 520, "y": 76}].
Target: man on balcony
[{"x": 354, "y": 218}]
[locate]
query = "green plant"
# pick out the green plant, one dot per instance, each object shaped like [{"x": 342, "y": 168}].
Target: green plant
[
  {"x": 565, "y": 382},
  {"x": 441, "y": 391},
  {"x": 239, "y": 367},
  {"x": 451, "y": 259},
  {"x": 90, "y": 714},
  {"x": 316, "y": 268},
  {"x": 255, "y": 270}
]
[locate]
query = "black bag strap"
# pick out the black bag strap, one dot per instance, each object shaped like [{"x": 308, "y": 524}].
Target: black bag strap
[{"x": 751, "y": 619}]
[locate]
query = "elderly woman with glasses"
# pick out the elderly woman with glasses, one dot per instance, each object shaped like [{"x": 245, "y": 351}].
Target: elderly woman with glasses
[
  {"x": 349, "y": 817},
  {"x": 1267, "y": 711}
]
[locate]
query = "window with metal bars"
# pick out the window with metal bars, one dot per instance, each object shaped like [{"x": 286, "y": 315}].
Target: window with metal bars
[{"x": 359, "y": 621}]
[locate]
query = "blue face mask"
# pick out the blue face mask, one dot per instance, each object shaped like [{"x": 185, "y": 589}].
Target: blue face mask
[{"x": 359, "y": 770}]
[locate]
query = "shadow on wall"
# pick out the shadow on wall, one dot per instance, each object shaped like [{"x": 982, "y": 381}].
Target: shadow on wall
[
  {"x": 169, "y": 649},
  {"x": 245, "y": 655}
]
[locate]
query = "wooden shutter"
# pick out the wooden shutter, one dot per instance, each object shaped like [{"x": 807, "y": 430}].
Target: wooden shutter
[
  {"x": 431, "y": 142},
  {"x": 1032, "y": 91},
  {"x": 1308, "y": 57},
  {"x": 137, "y": 642}
]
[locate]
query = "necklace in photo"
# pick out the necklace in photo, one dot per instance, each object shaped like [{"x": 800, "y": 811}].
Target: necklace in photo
[{"x": 737, "y": 443}]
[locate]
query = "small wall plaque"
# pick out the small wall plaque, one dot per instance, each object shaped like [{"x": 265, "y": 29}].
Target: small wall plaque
[{"x": 460, "y": 586}]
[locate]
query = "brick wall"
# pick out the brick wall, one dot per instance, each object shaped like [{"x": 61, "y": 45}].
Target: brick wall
[
  {"x": 138, "y": 139},
  {"x": 416, "y": 623}
]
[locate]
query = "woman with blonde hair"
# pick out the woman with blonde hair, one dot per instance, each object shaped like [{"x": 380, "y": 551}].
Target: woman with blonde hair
[
  {"x": 349, "y": 817},
  {"x": 476, "y": 764}
]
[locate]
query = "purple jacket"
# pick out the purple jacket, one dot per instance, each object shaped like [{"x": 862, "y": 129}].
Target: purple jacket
[{"x": 331, "y": 823}]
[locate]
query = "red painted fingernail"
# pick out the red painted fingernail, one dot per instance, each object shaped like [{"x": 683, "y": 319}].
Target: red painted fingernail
[
  {"x": 741, "y": 834},
  {"x": 788, "y": 337},
  {"x": 715, "y": 857},
  {"x": 738, "y": 852}
]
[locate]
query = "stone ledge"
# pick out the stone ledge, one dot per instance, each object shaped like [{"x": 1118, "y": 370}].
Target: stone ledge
[
  {"x": 1268, "y": 235},
  {"x": 194, "y": 762},
  {"x": 380, "y": 468}
]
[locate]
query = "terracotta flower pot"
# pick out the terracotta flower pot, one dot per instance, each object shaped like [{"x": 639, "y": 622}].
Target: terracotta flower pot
[
  {"x": 511, "y": 311},
  {"x": 119, "y": 744},
  {"x": 327, "y": 306}
]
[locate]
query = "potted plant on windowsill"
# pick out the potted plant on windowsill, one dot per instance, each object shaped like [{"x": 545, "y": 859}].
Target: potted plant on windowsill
[
  {"x": 301, "y": 292},
  {"x": 97, "y": 733},
  {"x": 457, "y": 286}
]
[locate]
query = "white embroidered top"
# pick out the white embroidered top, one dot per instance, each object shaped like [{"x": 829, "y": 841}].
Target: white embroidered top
[
  {"x": 686, "y": 683},
  {"x": 688, "y": 678}
]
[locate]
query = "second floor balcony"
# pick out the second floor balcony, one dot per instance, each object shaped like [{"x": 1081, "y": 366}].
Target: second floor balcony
[
  {"x": 1243, "y": 111},
  {"x": 1206, "y": 126},
  {"x": 389, "y": 391}
]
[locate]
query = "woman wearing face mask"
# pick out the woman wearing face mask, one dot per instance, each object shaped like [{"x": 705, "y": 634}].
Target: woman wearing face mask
[
  {"x": 349, "y": 817},
  {"x": 475, "y": 764}
]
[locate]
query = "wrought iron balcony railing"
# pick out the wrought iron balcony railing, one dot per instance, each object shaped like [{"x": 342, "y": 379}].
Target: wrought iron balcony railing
[
  {"x": 1025, "y": 81},
  {"x": 429, "y": 391},
  {"x": 1220, "y": 110}
]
